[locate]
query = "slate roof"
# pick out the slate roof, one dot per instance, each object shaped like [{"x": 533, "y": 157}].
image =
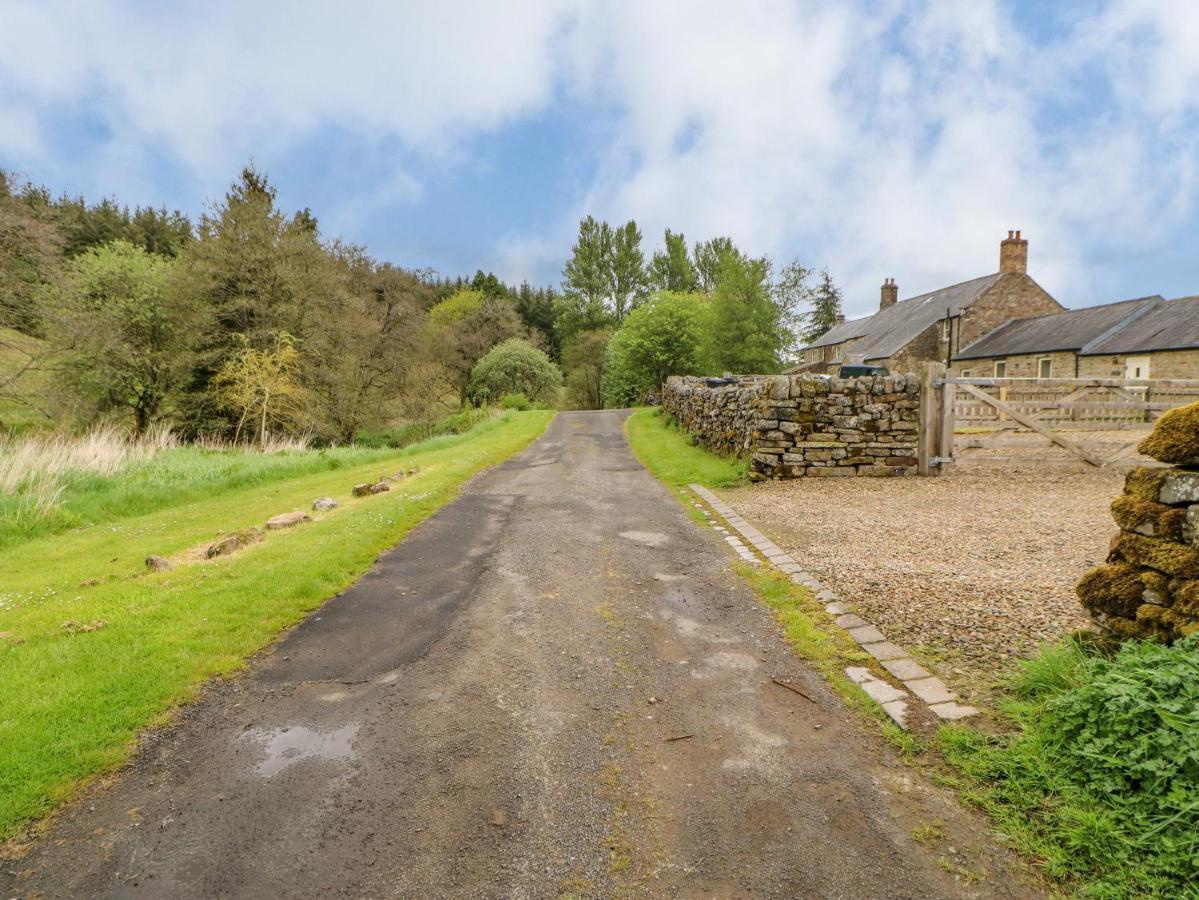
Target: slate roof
[
  {"x": 1070, "y": 330},
  {"x": 890, "y": 330},
  {"x": 1172, "y": 325}
]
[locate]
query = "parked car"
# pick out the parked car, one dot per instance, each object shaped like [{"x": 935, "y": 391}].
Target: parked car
[{"x": 855, "y": 370}]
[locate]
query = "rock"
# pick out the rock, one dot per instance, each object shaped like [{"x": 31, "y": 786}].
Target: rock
[
  {"x": 324, "y": 503},
  {"x": 362, "y": 490},
  {"x": 1148, "y": 518},
  {"x": 233, "y": 542},
  {"x": 89, "y": 582},
  {"x": 1179, "y": 486},
  {"x": 379, "y": 488},
  {"x": 287, "y": 520},
  {"x": 1175, "y": 438},
  {"x": 158, "y": 563}
]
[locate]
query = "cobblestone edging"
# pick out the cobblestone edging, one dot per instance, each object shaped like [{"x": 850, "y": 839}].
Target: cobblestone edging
[{"x": 915, "y": 678}]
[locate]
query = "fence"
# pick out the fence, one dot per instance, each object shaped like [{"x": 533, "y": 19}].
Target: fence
[{"x": 1092, "y": 420}]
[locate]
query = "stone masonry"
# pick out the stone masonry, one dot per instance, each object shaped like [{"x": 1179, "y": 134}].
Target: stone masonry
[
  {"x": 1149, "y": 587},
  {"x": 794, "y": 426}
]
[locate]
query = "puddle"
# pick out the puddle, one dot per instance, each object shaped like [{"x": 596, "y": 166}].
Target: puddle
[
  {"x": 648, "y": 538},
  {"x": 285, "y": 746}
]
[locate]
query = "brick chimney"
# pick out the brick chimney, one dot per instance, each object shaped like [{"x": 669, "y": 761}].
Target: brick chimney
[
  {"x": 840, "y": 318},
  {"x": 1013, "y": 253},
  {"x": 890, "y": 293}
]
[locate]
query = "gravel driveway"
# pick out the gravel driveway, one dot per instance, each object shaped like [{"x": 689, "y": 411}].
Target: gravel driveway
[{"x": 969, "y": 571}]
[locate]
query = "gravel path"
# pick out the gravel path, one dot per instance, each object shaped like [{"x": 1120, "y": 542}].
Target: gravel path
[{"x": 970, "y": 571}]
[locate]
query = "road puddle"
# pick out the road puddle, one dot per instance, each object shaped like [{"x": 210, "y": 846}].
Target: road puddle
[{"x": 286, "y": 746}]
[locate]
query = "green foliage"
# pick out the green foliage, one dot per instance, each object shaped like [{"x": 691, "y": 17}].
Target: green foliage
[
  {"x": 129, "y": 333},
  {"x": 1101, "y": 779},
  {"x": 583, "y": 362},
  {"x": 671, "y": 269},
  {"x": 515, "y": 367},
  {"x": 405, "y": 435},
  {"x": 747, "y": 334},
  {"x": 262, "y": 387},
  {"x": 626, "y": 270},
  {"x": 458, "y": 307},
  {"x": 711, "y": 257},
  {"x": 515, "y": 401},
  {"x": 826, "y": 309},
  {"x": 663, "y": 337}
]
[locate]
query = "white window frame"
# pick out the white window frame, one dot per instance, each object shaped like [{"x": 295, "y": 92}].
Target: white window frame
[
  {"x": 965, "y": 373},
  {"x": 1001, "y": 368},
  {"x": 1135, "y": 362},
  {"x": 946, "y": 329},
  {"x": 1045, "y": 362}
]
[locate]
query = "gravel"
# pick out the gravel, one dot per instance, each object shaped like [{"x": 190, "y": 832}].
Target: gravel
[{"x": 969, "y": 571}]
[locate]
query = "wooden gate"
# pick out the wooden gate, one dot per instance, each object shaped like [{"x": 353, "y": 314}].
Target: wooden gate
[{"x": 1098, "y": 421}]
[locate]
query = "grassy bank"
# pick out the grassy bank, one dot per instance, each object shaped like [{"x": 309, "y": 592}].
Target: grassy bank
[
  {"x": 667, "y": 451},
  {"x": 92, "y": 648}
]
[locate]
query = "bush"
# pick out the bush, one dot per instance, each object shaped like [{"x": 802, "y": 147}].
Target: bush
[
  {"x": 1102, "y": 781},
  {"x": 414, "y": 432},
  {"x": 514, "y": 367},
  {"x": 515, "y": 401}
]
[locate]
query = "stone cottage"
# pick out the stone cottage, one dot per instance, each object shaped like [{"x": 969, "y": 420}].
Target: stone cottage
[
  {"x": 934, "y": 327},
  {"x": 1144, "y": 338}
]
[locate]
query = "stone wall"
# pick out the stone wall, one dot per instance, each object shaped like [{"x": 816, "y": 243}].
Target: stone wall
[
  {"x": 793, "y": 426},
  {"x": 1149, "y": 587}
]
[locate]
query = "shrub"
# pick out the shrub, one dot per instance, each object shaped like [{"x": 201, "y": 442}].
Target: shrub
[
  {"x": 1102, "y": 781},
  {"x": 514, "y": 367},
  {"x": 415, "y": 432},
  {"x": 515, "y": 401}
]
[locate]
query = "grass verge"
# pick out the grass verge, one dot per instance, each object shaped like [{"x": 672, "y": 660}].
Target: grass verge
[{"x": 84, "y": 668}]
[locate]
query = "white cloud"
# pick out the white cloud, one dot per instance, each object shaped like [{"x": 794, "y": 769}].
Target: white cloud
[{"x": 879, "y": 139}]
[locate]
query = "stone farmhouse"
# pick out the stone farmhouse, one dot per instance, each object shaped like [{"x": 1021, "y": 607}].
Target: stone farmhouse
[
  {"x": 1145, "y": 338},
  {"x": 936, "y": 326}
]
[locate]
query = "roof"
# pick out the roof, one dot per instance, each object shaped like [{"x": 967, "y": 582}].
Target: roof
[
  {"x": 1172, "y": 325},
  {"x": 1070, "y": 330},
  {"x": 890, "y": 330}
]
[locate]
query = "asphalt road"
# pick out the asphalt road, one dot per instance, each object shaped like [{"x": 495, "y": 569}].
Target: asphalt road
[{"x": 554, "y": 687}]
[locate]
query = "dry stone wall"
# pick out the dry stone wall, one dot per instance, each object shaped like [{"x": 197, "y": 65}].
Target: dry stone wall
[
  {"x": 1149, "y": 587},
  {"x": 795, "y": 426}
]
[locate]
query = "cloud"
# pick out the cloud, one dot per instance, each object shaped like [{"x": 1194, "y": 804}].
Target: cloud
[{"x": 877, "y": 138}]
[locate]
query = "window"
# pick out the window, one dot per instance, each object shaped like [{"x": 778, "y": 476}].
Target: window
[
  {"x": 1001, "y": 368},
  {"x": 1136, "y": 367},
  {"x": 965, "y": 373},
  {"x": 1045, "y": 367},
  {"x": 946, "y": 329}
]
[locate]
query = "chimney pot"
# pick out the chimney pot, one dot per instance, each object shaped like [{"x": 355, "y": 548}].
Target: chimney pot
[
  {"x": 889, "y": 294},
  {"x": 1013, "y": 253}
]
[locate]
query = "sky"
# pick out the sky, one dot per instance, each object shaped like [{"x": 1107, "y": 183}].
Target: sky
[{"x": 872, "y": 139}]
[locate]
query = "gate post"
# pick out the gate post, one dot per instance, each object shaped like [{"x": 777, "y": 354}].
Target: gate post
[{"x": 929, "y": 440}]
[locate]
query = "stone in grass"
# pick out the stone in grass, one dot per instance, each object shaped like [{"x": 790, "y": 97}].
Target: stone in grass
[
  {"x": 323, "y": 503},
  {"x": 898, "y": 711},
  {"x": 380, "y": 487},
  {"x": 951, "y": 711},
  {"x": 231, "y": 543},
  {"x": 867, "y": 634},
  {"x": 158, "y": 563},
  {"x": 931, "y": 690},
  {"x": 884, "y": 650},
  {"x": 287, "y": 520},
  {"x": 1175, "y": 438},
  {"x": 362, "y": 490},
  {"x": 906, "y": 669},
  {"x": 850, "y": 620}
]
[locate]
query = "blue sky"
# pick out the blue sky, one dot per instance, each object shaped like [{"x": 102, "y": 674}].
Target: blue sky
[{"x": 877, "y": 139}]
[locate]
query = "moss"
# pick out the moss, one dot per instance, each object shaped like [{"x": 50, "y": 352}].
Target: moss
[
  {"x": 1124, "y": 628},
  {"x": 1149, "y": 518},
  {"x": 1157, "y": 553},
  {"x": 1185, "y": 595},
  {"x": 1114, "y": 588},
  {"x": 1175, "y": 438},
  {"x": 1144, "y": 482},
  {"x": 1155, "y": 581}
]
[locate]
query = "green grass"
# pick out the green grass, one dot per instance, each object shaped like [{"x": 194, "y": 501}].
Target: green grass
[
  {"x": 71, "y": 704},
  {"x": 1097, "y": 776},
  {"x": 668, "y": 452}
]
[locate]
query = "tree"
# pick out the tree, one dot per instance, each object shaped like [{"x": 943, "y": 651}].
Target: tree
[
  {"x": 538, "y": 310},
  {"x": 671, "y": 269},
  {"x": 127, "y": 333},
  {"x": 662, "y": 337},
  {"x": 583, "y": 365},
  {"x": 515, "y": 367},
  {"x": 711, "y": 258},
  {"x": 747, "y": 333},
  {"x": 262, "y": 387},
  {"x": 791, "y": 293},
  {"x": 826, "y": 309},
  {"x": 586, "y": 281},
  {"x": 458, "y": 306},
  {"x": 626, "y": 270}
]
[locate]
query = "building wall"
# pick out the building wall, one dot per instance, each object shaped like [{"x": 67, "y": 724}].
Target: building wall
[
  {"x": 1014, "y": 295},
  {"x": 1023, "y": 365},
  {"x": 1180, "y": 364}
]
